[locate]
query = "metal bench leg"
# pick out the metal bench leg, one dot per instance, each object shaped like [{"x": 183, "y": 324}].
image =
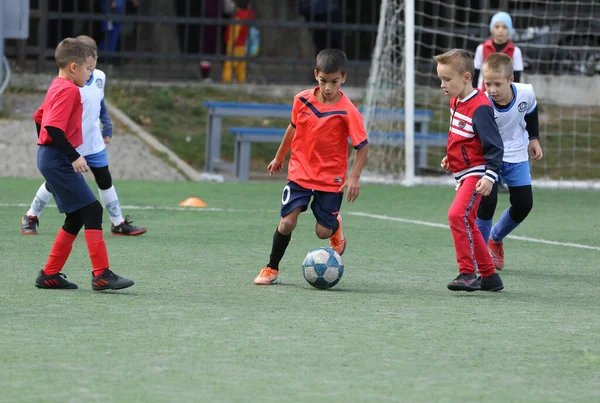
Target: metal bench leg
[
  {"x": 236, "y": 156},
  {"x": 216, "y": 143},
  {"x": 208, "y": 144},
  {"x": 422, "y": 157},
  {"x": 244, "y": 161}
]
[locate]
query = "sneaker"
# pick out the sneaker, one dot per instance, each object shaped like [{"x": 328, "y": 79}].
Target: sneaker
[
  {"x": 127, "y": 228},
  {"x": 337, "y": 241},
  {"x": 29, "y": 225},
  {"x": 497, "y": 253},
  {"x": 266, "y": 276},
  {"x": 465, "y": 282},
  {"x": 110, "y": 281},
  {"x": 55, "y": 281},
  {"x": 491, "y": 283}
]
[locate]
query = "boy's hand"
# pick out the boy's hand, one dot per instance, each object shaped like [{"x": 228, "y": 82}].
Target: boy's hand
[
  {"x": 274, "y": 166},
  {"x": 353, "y": 189},
  {"x": 445, "y": 164},
  {"x": 535, "y": 150},
  {"x": 484, "y": 187},
  {"x": 107, "y": 139},
  {"x": 80, "y": 165}
]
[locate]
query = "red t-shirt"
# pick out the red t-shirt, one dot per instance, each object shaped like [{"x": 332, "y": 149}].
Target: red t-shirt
[
  {"x": 319, "y": 157},
  {"x": 62, "y": 108}
]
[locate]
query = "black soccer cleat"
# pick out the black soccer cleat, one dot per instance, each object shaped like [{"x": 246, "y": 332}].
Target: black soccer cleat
[
  {"x": 126, "y": 228},
  {"x": 56, "y": 281},
  {"x": 110, "y": 281},
  {"x": 465, "y": 282},
  {"x": 491, "y": 283},
  {"x": 29, "y": 225}
]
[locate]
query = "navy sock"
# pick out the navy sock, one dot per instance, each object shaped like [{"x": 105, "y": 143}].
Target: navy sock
[
  {"x": 485, "y": 226},
  {"x": 503, "y": 227}
]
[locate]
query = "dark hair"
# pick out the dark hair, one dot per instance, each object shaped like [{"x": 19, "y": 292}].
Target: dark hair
[
  {"x": 460, "y": 59},
  {"x": 331, "y": 61},
  {"x": 71, "y": 50}
]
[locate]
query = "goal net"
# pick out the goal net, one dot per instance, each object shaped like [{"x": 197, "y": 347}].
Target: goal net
[{"x": 560, "y": 44}]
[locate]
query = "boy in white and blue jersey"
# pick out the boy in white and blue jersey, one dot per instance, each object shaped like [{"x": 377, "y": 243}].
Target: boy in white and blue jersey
[
  {"x": 93, "y": 149},
  {"x": 515, "y": 112}
]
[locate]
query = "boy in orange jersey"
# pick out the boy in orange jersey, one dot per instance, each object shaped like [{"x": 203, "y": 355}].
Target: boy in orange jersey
[
  {"x": 322, "y": 120},
  {"x": 474, "y": 155}
]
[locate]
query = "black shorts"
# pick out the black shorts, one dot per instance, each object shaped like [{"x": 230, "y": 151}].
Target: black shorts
[{"x": 325, "y": 205}]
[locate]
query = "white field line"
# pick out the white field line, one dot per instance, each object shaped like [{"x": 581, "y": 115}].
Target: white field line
[
  {"x": 436, "y": 225},
  {"x": 358, "y": 214}
]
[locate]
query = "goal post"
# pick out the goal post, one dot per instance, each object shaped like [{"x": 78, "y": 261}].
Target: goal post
[{"x": 406, "y": 114}]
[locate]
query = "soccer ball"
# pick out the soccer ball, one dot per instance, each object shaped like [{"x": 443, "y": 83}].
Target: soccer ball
[{"x": 323, "y": 268}]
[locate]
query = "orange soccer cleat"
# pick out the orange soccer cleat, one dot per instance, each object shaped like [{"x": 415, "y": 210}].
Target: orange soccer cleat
[
  {"x": 337, "y": 241},
  {"x": 266, "y": 276}
]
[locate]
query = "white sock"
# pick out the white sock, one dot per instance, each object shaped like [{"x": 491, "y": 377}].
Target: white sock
[
  {"x": 42, "y": 197},
  {"x": 110, "y": 200}
]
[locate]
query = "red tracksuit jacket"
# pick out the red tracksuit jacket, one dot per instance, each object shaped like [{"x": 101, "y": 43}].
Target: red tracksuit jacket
[{"x": 474, "y": 143}]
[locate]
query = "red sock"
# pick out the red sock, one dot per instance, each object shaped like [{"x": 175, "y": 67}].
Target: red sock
[
  {"x": 97, "y": 250},
  {"x": 60, "y": 252}
]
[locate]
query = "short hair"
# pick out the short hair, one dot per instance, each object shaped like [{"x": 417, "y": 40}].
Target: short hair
[
  {"x": 460, "y": 59},
  {"x": 500, "y": 62},
  {"x": 89, "y": 41},
  {"x": 71, "y": 50},
  {"x": 331, "y": 61}
]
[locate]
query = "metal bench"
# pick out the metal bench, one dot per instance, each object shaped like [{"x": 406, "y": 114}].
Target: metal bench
[
  {"x": 219, "y": 109},
  {"x": 245, "y": 136}
]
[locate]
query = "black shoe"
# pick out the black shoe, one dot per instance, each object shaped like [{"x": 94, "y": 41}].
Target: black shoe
[
  {"x": 110, "y": 281},
  {"x": 465, "y": 282},
  {"x": 29, "y": 225},
  {"x": 126, "y": 228},
  {"x": 55, "y": 281},
  {"x": 491, "y": 283}
]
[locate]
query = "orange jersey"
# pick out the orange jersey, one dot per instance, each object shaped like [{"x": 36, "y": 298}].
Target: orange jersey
[{"x": 319, "y": 159}]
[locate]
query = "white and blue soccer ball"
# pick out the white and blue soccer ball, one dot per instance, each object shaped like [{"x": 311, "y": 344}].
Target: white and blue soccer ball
[{"x": 323, "y": 268}]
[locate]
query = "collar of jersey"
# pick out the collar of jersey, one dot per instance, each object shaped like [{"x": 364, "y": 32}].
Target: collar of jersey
[{"x": 468, "y": 97}]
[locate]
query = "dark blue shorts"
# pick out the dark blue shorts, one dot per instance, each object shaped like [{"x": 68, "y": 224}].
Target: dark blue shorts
[
  {"x": 325, "y": 205},
  {"x": 70, "y": 190}
]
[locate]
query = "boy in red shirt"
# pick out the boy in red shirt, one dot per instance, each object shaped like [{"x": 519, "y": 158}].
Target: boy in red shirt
[
  {"x": 474, "y": 155},
  {"x": 58, "y": 122},
  {"x": 322, "y": 120}
]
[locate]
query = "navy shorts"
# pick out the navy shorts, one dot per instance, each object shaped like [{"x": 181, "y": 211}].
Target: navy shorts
[
  {"x": 325, "y": 205},
  {"x": 69, "y": 188}
]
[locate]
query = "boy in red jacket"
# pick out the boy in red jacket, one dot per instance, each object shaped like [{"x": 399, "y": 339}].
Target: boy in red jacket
[{"x": 474, "y": 155}]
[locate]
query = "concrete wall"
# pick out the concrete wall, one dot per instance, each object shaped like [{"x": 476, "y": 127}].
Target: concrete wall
[{"x": 566, "y": 90}]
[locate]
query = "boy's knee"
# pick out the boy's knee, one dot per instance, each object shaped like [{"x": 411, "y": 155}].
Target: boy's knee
[
  {"x": 322, "y": 232},
  {"x": 287, "y": 225},
  {"x": 455, "y": 215},
  {"x": 521, "y": 203},
  {"x": 521, "y": 210}
]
